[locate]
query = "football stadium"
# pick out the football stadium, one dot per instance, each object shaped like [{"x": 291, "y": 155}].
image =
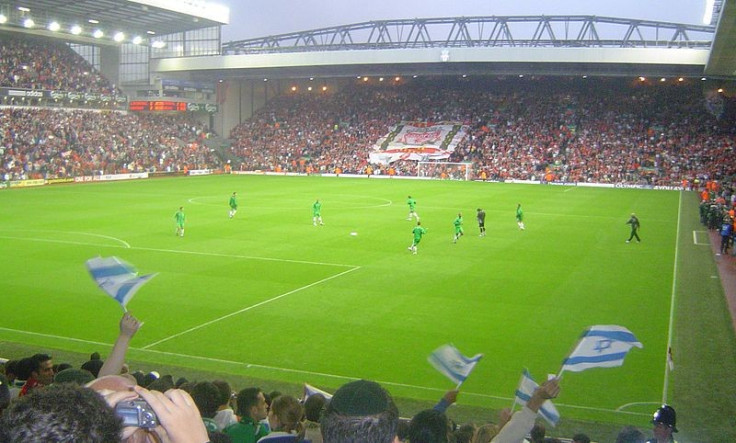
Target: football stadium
[{"x": 509, "y": 232}]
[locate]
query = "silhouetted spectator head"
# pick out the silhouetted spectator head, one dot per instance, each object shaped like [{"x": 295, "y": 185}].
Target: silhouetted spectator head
[
  {"x": 430, "y": 426},
  {"x": 207, "y": 398},
  {"x": 537, "y": 433},
  {"x": 93, "y": 366},
  {"x": 313, "y": 407},
  {"x": 162, "y": 384},
  {"x": 465, "y": 433},
  {"x": 4, "y": 393},
  {"x": 150, "y": 378},
  {"x": 95, "y": 356},
  {"x": 74, "y": 375},
  {"x": 580, "y": 438},
  {"x": 60, "y": 367},
  {"x": 60, "y": 413},
  {"x": 11, "y": 370},
  {"x": 225, "y": 392},
  {"x": 486, "y": 433},
  {"x": 360, "y": 411},
  {"x": 630, "y": 434}
]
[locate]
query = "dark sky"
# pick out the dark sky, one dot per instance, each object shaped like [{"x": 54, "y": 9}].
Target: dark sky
[{"x": 251, "y": 18}]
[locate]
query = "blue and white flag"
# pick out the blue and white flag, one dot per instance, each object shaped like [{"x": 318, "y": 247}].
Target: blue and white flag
[
  {"x": 449, "y": 361},
  {"x": 116, "y": 277},
  {"x": 310, "y": 390},
  {"x": 524, "y": 392},
  {"x": 603, "y": 346}
]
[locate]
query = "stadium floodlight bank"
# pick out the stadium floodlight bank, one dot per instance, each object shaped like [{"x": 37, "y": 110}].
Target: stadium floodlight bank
[{"x": 445, "y": 170}]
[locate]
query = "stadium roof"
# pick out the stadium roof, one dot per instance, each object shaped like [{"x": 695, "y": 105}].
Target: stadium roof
[
  {"x": 722, "y": 60},
  {"x": 132, "y": 16}
]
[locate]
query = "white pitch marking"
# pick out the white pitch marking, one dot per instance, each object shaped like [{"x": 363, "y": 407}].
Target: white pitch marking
[
  {"x": 673, "y": 292},
  {"x": 301, "y": 371},
  {"x": 248, "y": 308},
  {"x": 124, "y": 243},
  {"x": 176, "y": 251}
]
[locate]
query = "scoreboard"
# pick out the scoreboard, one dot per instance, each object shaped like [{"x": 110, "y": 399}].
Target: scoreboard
[{"x": 155, "y": 106}]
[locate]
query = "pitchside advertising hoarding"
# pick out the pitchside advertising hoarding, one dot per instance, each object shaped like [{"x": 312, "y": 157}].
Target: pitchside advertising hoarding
[{"x": 88, "y": 97}]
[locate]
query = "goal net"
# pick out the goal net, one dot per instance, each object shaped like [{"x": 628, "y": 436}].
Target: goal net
[{"x": 445, "y": 170}]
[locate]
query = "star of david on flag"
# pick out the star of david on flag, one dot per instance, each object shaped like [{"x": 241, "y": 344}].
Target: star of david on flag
[
  {"x": 448, "y": 360},
  {"x": 602, "y": 346},
  {"x": 117, "y": 278}
]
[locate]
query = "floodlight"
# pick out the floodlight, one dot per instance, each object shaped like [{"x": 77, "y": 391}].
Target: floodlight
[
  {"x": 76, "y": 30},
  {"x": 28, "y": 23},
  {"x": 158, "y": 44},
  {"x": 118, "y": 37},
  {"x": 98, "y": 33},
  {"x": 137, "y": 40},
  {"x": 54, "y": 26},
  {"x": 3, "y": 19}
]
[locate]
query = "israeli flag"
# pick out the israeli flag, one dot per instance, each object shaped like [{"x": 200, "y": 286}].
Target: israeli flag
[
  {"x": 117, "y": 278},
  {"x": 449, "y": 361},
  {"x": 524, "y": 392},
  {"x": 603, "y": 346}
]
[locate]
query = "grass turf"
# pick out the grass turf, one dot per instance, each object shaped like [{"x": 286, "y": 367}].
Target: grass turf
[{"x": 269, "y": 296}]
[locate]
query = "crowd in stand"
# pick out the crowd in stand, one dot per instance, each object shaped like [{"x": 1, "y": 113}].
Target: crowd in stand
[
  {"x": 52, "y": 143},
  {"x": 571, "y": 130},
  {"x": 48, "y": 64},
  {"x": 103, "y": 402}
]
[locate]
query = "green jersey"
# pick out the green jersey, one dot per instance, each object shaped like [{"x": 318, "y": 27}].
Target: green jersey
[
  {"x": 233, "y": 202},
  {"x": 412, "y": 204},
  {"x": 180, "y": 217},
  {"x": 418, "y": 232},
  {"x": 317, "y": 208},
  {"x": 458, "y": 223},
  {"x": 519, "y": 214}
]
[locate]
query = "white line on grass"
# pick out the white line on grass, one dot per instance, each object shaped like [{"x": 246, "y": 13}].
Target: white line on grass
[
  {"x": 179, "y": 251},
  {"x": 124, "y": 243},
  {"x": 248, "y": 308},
  {"x": 313, "y": 373},
  {"x": 672, "y": 305}
]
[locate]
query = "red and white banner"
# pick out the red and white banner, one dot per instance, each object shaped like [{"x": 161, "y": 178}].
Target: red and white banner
[{"x": 418, "y": 141}]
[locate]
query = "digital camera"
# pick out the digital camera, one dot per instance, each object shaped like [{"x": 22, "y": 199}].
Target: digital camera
[{"x": 136, "y": 413}]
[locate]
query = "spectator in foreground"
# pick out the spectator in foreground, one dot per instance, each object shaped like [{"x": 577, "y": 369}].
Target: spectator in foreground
[
  {"x": 42, "y": 374},
  {"x": 430, "y": 426},
  {"x": 60, "y": 413},
  {"x": 360, "y": 411},
  {"x": 285, "y": 419},
  {"x": 313, "y": 407},
  {"x": 252, "y": 408},
  {"x": 225, "y": 415},
  {"x": 630, "y": 434}
]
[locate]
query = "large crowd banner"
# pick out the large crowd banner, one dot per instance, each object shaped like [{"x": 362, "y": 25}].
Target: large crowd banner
[{"x": 419, "y": 141}]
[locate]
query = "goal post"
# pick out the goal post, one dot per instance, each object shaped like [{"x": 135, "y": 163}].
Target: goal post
[{"x": 445, "y": 170}]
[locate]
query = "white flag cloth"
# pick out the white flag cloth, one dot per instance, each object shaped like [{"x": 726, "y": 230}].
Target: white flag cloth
[
  {"x": 116, "y": 277},
  {"x": 310, "y": 390},
  {"x": 526, "y": 388},
  {"x": 449, "y": 361},
  {"x": 603, "y": 346}
]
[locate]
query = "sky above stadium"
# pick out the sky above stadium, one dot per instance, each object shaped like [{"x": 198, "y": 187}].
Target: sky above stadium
[{"x": 259, "y": 18}]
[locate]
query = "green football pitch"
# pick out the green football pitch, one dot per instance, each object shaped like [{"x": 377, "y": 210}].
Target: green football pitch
[{"x": 268, "y": 295}]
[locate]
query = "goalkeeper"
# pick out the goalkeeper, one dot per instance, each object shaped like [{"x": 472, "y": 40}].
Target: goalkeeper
[{"x": 418, "y": 232}]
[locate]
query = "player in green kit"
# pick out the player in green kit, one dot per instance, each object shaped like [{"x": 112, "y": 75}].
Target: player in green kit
[
  {"x": 458, "y": 223},
  {"x": 317, "y": 213},
  {"x": 233, "y": 204},
  {"x": 180, "y": 218},
  {"x": 418, "y": 232},
  {"x": 520, "y": 217},
  {"x": 412, "y": 208}
]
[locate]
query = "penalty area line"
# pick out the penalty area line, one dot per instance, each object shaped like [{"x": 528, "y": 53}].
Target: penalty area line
[{"x": 248, "y": 308}]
